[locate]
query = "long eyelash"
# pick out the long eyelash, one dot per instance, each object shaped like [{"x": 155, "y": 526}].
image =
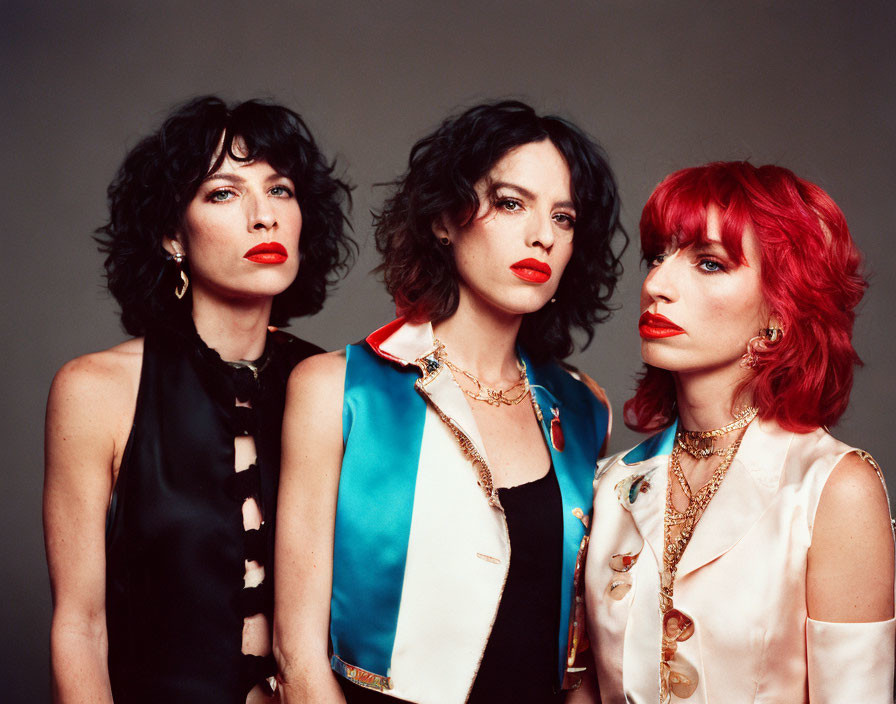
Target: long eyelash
[
  {"x": 211, "y": 196},
  {"x": 720, "y": 267}
]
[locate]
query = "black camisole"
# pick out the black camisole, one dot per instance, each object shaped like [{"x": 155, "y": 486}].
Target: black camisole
[
  {"x": 519, "y": 665},
  {"x": 175, "y": 542}
]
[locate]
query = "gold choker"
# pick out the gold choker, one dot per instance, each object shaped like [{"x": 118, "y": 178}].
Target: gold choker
[{"x": 700, "y": 444}]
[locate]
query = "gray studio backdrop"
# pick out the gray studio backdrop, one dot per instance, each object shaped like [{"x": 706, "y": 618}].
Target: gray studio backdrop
[{"x": 662, "y": 85}]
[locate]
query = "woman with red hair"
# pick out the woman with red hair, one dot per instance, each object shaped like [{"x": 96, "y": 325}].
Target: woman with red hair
[{"x": 765, "y": 542}]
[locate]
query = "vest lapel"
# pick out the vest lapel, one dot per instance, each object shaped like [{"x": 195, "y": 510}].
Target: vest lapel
[
  {"x": 441, "y": 391},
  {"x": 412, "y": 344},
  {"x": 642, "y": 492}
]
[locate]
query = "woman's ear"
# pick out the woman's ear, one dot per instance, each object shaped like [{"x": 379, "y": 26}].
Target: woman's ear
[
  {"x": 441, "y": 231},
  {"x": 172, "y": 245}
]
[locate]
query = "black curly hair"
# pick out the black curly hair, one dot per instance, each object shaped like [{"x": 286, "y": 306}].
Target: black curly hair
[
  {"x": 161, "y": 175},
  {"x": 443, "y": 170}
]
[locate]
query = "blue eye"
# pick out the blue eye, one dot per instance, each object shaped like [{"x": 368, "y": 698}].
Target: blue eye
[
  {"x": 711, "y": 266},
  {"x": 281, "y": 191}
]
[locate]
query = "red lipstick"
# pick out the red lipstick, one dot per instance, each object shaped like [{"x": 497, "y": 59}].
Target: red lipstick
[
  {"x": 531, "y": 270},
  {"x": 267, "y": 253},
  {"x": 653, "y": 326}
]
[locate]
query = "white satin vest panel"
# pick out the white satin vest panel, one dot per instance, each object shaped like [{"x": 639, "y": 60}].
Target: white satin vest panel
[{"x": 742, "y": 579}]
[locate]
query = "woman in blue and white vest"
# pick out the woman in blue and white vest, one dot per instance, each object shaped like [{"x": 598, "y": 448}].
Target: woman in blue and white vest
[{"x": 416, "y": 462}]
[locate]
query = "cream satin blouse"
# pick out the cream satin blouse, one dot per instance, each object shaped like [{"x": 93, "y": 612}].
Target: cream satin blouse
[{"x": 742, "y": 581}]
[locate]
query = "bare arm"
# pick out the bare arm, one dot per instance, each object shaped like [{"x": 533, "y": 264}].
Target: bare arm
[
  {"x": 306, "y": 514},
  {"x": 851, "y": 562},
  {"x": 84, "y": 411}
]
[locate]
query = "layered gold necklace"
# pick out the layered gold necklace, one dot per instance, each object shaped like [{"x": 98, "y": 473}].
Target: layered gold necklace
[
  {"x": 494, "y": 397},
  {"x": 680, "y": 678},
  {"x": 700, "y": 444}
]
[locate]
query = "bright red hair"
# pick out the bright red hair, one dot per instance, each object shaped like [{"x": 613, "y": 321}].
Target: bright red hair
[{"x": 811, "y": 280}]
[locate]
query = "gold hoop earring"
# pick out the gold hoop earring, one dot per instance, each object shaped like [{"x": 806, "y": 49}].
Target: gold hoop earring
[
  {"x": 750, "y": 360},
  {"x": 444, "y": 241},
  {"x": 180, "y": 289}
]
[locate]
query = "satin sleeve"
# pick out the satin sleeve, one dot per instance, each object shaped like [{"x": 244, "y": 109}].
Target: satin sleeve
[{"x": 851, "y": 662}]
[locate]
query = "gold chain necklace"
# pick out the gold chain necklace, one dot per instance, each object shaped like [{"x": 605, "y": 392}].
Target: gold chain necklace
[
  {"x": 671, "y": 679},
  {"x": 483, "y": 471},
  {"x": 700, "y": 444},
  {"x": 493, "y": 397}
]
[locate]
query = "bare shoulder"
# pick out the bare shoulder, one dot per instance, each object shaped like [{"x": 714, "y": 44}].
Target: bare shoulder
[
  {"x": 318, "y": 374},
  {"x": 855, "y": 485},
  {"x": 101, "y": 372},
  {"x": 314, "y": 394},
  {"x": 852, "y": 530},
  {"x": 100, "y": 385},
  {"x": 312, "y": 419}
]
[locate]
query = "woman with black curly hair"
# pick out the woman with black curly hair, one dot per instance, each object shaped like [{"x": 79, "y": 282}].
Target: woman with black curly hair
[
  {"x": 413, "y": 463},
  {"x": 162, "y": 454}
]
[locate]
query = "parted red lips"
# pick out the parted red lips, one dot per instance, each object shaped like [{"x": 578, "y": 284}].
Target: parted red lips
[
  {"x": 531, "y": 270},
  {"x": 267, "y": 253},
  {"x": 654, "y": 325}
]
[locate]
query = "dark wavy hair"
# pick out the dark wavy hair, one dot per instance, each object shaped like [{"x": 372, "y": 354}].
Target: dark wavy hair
[
  {"x": 811, "y": 278},
  {"x": 161, "y": 175},
  {"x": 443, "y": 170}
]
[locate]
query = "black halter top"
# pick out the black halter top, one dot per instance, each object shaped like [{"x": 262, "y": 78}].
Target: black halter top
[{"x": 175, "y": 542}]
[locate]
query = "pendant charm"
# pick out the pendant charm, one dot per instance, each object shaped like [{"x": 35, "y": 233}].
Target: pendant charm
[{"x": 557, "y": 439}]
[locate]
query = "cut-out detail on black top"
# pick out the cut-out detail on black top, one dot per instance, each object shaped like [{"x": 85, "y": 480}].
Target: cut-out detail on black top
[
  {"x": 175, "y": 541},
  {"x": 245, "y": 484},
  {"x": 255, "y": 544}
]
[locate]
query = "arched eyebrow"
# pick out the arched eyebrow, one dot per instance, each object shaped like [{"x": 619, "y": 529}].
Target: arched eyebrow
[
  {"x": 236, "y": 178},
  {"x": 527, "y": 194},
  {"x": 224, "y": 176}
]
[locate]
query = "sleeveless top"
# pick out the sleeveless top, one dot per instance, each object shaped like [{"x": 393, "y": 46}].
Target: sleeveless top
[
  {"x": 741, "y": 581},
  {"x": 175, "y": 542},
  {"x": 519, "y": 661}
]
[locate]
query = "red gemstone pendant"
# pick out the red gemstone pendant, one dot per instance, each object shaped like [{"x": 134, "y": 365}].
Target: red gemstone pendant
[{"x": 557, "y": 439}]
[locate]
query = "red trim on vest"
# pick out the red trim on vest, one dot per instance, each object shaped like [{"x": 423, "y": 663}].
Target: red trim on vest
[{"x": 378, "y": 337}]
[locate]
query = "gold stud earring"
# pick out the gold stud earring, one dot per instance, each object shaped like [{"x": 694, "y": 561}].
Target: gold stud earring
[{"x": 771, "y": 334}]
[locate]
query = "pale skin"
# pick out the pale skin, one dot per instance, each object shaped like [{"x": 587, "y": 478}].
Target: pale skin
[
  {"x": 719, "y": 304},
  {"x": 525, "y": 211},
  {"x": 92, "y": 403}
]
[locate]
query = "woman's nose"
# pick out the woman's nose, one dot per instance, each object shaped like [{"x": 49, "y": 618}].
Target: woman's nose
[
  {"x": 261, "y": 214},
  {"x": 541, "y": 233},
  {"x": 660, "y": 282}
]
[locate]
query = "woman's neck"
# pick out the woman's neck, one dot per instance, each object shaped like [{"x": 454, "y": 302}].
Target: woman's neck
[
  {"x": 706, "y": 400},
  {"x": 236, "y": 331},
  {"x": 481, "y": 340}
]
